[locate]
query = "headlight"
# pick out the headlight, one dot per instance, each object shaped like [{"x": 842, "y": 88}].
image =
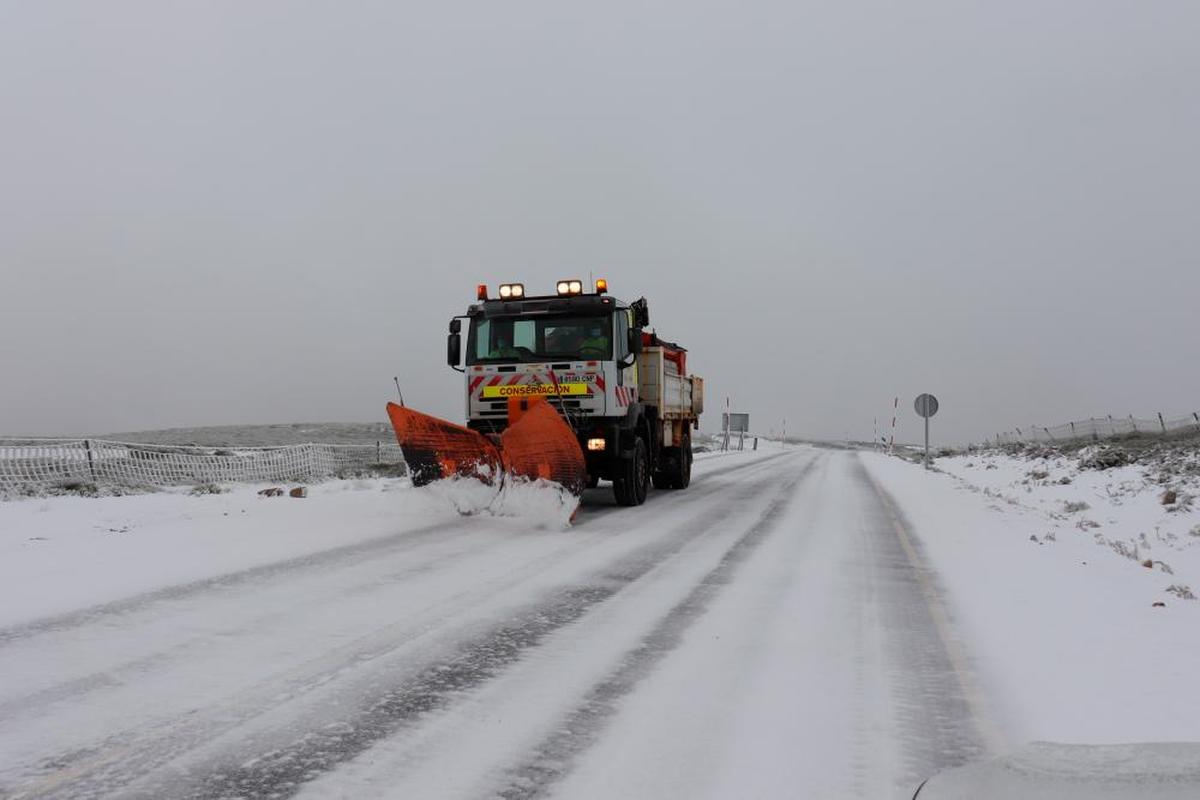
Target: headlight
[{"x": 595, "y": 444}]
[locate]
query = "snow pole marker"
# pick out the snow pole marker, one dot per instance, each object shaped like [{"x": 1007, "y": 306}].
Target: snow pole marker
[{"x": 892, "y": 440}]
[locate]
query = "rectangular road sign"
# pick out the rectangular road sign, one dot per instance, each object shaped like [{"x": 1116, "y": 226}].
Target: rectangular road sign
[{"x": 735, "y": 423}]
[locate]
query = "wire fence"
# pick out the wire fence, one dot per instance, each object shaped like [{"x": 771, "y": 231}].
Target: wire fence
[
  {"x": 32, "y": 465},
  {"x": 1097, "y": 428}
]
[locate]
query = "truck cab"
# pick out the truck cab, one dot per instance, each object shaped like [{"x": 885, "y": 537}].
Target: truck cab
[{"x": 587, "y": 354}]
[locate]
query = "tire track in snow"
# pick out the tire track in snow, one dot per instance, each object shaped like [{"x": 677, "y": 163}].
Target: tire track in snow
[
  {"x": 321, "y": 560},
  {"x": 655, "y": 497},
  {"x": 101, "y": 770},
  {"x": 942, "y": 714},
  {"x": 332, "y": 558},
  {"x": 281, "y": 772},
  {"x": 552, "y": 759},
  {"x": 76, "y": 689},
  {"x": 112, "y": 676}
]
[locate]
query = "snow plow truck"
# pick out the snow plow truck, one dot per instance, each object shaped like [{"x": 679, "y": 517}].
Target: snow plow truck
[{"x": 571, "y": 387}]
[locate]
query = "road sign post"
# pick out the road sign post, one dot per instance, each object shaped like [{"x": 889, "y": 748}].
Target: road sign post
[{"x": 926, "y": 405}]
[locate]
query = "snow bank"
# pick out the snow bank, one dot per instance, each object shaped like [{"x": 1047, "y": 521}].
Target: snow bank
[
  {"x": 1064, "y": 621},
  {"x": 1120, "y": 509},
  {"x": 62, "y": 553},
  {"x": 546, "y": 505}
]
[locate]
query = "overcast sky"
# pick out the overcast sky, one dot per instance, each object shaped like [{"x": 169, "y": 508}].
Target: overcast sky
[{"x": 232, "y": 212}]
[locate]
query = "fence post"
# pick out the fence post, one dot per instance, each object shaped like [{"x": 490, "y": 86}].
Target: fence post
[
  {"x": 1048, "y": 433},
  {"x": 1133, "y": 423},
  {"x": 87, "y": 444},
  {"x": 1196, "y": 417},
  {"x": 1072, "y": 430},
  {"x": 1162, "y": 424},
  {"x": 378, "y": 453},
  {"x": 1020, "y": 435}
]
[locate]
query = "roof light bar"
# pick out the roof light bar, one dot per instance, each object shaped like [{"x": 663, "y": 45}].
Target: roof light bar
[
  {"x": 509, "y": 291},
  {"x": 569, "y": 287},
  {"x": 481, "y": 292},
  {"x": 601, "y": 286}
]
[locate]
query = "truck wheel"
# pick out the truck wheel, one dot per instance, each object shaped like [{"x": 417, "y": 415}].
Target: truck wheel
[
  {"x": 685, "y": 462},
  {"x": 664, "y": 476},
  {"x": 676, "y": 472},
  {"x": 633, "y": 480}
]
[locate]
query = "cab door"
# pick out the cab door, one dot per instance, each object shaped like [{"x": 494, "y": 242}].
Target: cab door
[{"x": 627, "y": 377}]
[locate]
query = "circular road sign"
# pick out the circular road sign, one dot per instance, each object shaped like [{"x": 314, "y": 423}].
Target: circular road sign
[{"x": 926, "y": 405}]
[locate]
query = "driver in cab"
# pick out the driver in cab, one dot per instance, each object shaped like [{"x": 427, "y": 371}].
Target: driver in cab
[
  {"x": 502, "y": 349},
  {"x": 577, "y": 341},
  {"x": 594, "y": 343}
]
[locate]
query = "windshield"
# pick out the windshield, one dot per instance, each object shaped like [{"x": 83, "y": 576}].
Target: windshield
[{"x": 542, "y": 338}]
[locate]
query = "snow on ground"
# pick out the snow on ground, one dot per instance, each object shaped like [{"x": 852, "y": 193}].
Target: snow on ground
[
  {"x": 63, "y": 553},
  {"x": 1042, "y": 562},
  {"x": 1121, "y": 508},
  {"x": 800, "y": 622},
  {"x": 243, "y": 663},
  {"x": 66, "y": 552}
]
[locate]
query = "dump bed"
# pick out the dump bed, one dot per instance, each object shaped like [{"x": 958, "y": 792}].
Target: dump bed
[{"x": 660, "y": 384}]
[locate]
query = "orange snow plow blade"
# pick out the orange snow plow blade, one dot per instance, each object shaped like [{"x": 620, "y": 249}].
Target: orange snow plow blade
[
  {"x": 436, "y": 449},
  {"x": 538, "y": 443}
]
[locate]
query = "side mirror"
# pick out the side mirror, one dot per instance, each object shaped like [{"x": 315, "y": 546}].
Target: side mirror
[
  {"x": 634, "y": 346},
  {"x": 641, "y": 312},
  {"x": 454, "y": 349},
  {"x": 456, "y": 325}
]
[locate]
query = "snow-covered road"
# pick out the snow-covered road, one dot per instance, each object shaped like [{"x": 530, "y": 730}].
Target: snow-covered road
[{"x": 773, "y": 631}]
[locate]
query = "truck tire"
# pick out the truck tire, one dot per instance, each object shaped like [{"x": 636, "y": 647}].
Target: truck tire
[
  {"x": 633, "y": 479},
  {"x": 676, "y": 470},
  {"x": 684, "y": 479}
]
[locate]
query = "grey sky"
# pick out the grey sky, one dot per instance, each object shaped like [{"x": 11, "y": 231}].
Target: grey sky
[{"x": 217, "y": 213}]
